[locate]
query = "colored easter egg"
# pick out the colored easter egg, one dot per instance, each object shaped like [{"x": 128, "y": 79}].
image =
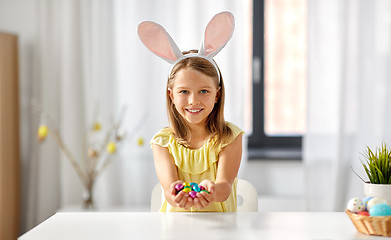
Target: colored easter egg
[
  {"x": 193, "y": 194},
  {"x": 381, "y": 209},
  {"x": 205, "y": 191},
  {"x": 374, "y": 201},
  {"x": 196, "y": 188},
  {"x": 186, "y": 184},
  {"x": 364, "y": 213},
  {"x": 43, "y": 131},
  {"x": 111, "y": 147},
  {"x": 355, "y": 205},
  {"x": 187, "y": 189},
  {"x": 140, "y": 141},
  {"x": 96, "y": 126},
  {"x": 365, "y": 201},
  {"x": 202, "y": 188},
  {"x": 178, "y": 187}
]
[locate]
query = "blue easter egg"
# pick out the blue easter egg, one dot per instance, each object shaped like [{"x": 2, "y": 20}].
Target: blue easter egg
[
  {"x": 380, "y": 209},
  {"x": 365, "y": 201}
]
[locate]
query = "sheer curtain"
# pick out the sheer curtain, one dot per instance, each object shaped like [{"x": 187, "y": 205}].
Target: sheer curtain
[
  {"x": 90, "y": 63},
  {"x": 348, "y": 92}
]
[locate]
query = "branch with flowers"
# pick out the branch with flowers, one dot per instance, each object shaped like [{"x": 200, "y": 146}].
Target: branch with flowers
[{"x": 97, "y": 155}]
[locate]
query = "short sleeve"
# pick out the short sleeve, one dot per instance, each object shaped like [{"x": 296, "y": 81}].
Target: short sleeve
[
  {"x": 235, "y": 132},
  {"x": 161, "y": 138}
]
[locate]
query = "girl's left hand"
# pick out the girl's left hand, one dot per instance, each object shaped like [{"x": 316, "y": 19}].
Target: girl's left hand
[{"x": 205, "y": 199}]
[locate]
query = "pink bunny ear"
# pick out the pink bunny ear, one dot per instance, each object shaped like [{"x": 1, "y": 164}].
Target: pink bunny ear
[
  {"x": 217, "y": 34},
  {"x": 156, "y": 39}
]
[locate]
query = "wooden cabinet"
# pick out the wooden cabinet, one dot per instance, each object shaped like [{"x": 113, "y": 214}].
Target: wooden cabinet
[{"x": 9, "y": 138}]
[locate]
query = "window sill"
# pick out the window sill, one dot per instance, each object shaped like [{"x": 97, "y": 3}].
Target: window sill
[{"x": 274, "y": 153}]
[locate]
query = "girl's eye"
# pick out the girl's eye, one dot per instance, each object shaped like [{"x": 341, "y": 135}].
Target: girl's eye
[
  {"x": 184, "y": 92},
  {"x": 204, "y": 91}
]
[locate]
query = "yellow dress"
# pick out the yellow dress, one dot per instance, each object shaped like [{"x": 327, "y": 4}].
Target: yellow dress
[{"x": 195, "y": 165}]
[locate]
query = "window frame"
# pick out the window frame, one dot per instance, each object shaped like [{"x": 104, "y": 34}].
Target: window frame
[{"x": 261, "y": 146}]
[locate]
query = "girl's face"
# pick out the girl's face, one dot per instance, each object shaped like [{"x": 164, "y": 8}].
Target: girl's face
[{"x": 194, "y": 95}]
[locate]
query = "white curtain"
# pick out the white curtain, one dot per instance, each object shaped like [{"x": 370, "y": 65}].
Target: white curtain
[
  {"x": 349, "y": 99},
  {"x": 90, "y": 63}
]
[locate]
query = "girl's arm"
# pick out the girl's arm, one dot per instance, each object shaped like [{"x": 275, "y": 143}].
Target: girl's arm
[
  {"x": 168, "y": 177},
  {"x": 227, "y": 170}
]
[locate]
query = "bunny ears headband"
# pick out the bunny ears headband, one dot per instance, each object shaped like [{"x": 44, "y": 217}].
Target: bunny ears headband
[{"x": 217, "y": 34}]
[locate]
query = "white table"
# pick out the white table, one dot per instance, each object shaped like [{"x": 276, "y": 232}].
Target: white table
[{"x": 147, "y": 225}]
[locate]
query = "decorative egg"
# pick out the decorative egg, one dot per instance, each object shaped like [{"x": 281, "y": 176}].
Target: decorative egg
[
  {"x": 365, "y": 201},
  {"x": 193, "y": 194},
  {"x": 364, "y": 213},
  {"x": 96, "y": 126},
  {"x": 381, "y": 209},
  {"x": 111, "y": 147},
  {"x": 43, "y": 131},
  {"x": 374, "y": 201},
  {"x": 140, "y": 141},
  {"x": 355, "y": 205},
  {"x": 92, "y": 153},
  {"x": 196, "y": 188},
  {"x": 191, "y": 188},
  {"x": 178, "y": 187}
]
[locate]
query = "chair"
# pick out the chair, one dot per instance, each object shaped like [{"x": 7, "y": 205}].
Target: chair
[{"x": 247, "y": 197}]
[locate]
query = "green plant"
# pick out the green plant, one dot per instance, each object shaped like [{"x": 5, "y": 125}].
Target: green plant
[{"x": 377, "y": 165}]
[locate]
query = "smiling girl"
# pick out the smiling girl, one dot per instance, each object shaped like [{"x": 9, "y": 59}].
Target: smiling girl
[{"x": 199, "y": 145}]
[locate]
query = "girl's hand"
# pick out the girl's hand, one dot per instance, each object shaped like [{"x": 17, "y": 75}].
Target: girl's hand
[
  {"x": 205, "y": 199},
  {"x": 182, "y": 199}
]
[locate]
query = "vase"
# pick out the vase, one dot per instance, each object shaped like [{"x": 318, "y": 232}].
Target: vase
[
  {"x": 378, "y": 190},
  {"x": 88, "y": 197}
]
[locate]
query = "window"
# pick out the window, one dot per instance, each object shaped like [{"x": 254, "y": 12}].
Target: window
[{"x": 279, "y": 79}]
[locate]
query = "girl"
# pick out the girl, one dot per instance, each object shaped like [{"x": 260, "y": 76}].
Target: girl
[{"x": 199, "y": 145}]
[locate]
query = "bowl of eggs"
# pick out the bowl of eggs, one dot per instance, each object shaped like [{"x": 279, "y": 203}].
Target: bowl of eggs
[{"x": 370, "y": 215}]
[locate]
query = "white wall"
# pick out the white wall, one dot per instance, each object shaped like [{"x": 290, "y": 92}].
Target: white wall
[{"x": 279, "y": 183}]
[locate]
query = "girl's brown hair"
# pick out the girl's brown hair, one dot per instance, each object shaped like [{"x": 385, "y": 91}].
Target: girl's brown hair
[{"x": 215, "y": 124}]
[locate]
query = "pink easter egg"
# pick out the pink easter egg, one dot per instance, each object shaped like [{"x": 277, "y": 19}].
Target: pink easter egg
[
  {"x": 193, "y": 194},
  {"x": 178, "y": 187}
]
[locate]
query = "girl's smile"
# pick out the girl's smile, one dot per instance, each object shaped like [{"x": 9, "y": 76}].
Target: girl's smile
[
  {"x": 195, "y": 111},
  {"x": 194, "y": 95}
]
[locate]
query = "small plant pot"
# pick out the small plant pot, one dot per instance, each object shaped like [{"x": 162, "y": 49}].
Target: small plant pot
[{"x": 378, "y": 190}]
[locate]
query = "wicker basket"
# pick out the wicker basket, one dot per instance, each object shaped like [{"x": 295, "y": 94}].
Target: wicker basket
[{"x": 371, "y": 225}]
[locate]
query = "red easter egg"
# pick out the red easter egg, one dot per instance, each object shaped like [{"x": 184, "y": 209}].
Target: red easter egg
[{"x": 364, "y": 213}]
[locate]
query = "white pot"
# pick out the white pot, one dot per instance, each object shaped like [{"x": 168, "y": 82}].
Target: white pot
[{"x": 378, "y": 190}]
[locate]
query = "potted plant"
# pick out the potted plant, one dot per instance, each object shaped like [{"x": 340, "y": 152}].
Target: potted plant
[{"x": 378, "y": 169}]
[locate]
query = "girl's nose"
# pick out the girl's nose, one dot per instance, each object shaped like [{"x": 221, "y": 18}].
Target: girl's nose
[{"x": 193, "y": 99}]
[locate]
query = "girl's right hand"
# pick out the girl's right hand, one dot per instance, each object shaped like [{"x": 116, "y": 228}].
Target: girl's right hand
[{"x": 182, "y": 199}]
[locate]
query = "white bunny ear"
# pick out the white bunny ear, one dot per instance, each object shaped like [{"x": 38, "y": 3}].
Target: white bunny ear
[
  {"x": 156, "y": 39},
  {"x": 217, "y": 34}
]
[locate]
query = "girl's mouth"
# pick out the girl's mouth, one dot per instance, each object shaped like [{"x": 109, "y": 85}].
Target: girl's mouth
[{"x": 194, "y": 110}]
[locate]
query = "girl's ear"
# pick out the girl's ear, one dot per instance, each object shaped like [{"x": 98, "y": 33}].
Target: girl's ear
[
  {"x": 171, "y": 94},
  {"x": 158, "y": 41},
  {"x": 217, "y": 34},
  {"x": 218, "y": 94}
]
